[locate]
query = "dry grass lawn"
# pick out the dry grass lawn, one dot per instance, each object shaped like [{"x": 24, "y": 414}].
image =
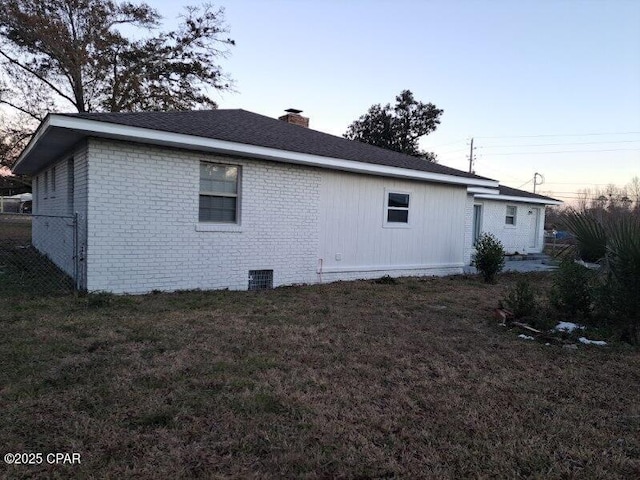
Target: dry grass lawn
[{"x": 347, "y": 380}]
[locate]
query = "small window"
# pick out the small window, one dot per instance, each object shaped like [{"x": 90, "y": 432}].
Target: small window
[
  {"x": 397, "y": 208},
  {"x": 53, "y": 180},
  {"x": 218, "y": 193},
  {"x": 510, "y": 218},
  {"x": 46, "y": 184}
]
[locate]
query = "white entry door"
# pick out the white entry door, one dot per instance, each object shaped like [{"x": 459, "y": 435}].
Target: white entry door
[{"x": 534, "y": 227}]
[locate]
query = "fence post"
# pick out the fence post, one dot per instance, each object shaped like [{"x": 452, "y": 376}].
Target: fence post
[{"x": 76, "y": 256}]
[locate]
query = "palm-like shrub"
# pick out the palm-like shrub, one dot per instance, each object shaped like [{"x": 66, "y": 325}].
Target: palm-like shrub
[
  {"x": 590, "y": 235},
  {"x": 616, "y": 244},
  {"x": 622, "y": 269}
]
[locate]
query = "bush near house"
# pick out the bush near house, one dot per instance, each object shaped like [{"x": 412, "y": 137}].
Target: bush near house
[{"x": 489, "y": 258}]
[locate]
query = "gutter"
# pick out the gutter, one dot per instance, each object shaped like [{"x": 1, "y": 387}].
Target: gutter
[{"x": 510, "y": 198}]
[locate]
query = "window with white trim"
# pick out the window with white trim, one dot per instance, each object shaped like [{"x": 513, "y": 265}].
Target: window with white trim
[
  {"x": 510, "y": 218},
  {"x": 219, "y": 187},
  {"x": 396, "y": 208}
]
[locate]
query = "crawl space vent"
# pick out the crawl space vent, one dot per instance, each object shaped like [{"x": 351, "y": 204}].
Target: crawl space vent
[{"x": 260, "y": 279}]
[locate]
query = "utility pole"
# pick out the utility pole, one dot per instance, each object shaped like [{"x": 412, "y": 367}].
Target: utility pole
[
  {"x": 471, "y": 157},
  {"x": 536, "y": 182}
]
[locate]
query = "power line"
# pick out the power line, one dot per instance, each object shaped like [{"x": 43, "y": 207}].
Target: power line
[
  {"x": 454, "y": 151},
  {"x": 559, "y": 144},
  {"x": 564, "y": 135},
  {"x": 575, "y": 183},
  {"x": 569, "y": 151},
  {"x": 447, "y": 144}
]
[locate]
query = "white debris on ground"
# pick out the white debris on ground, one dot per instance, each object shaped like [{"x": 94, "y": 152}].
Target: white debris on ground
[
  {"x": 591, "y": 342},
  {"x": 525, "y": 337},
  {"x": 567, "y": 327}
]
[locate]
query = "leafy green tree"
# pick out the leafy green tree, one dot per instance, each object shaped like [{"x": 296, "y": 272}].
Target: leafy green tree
[{"x": 397, "y": 128}]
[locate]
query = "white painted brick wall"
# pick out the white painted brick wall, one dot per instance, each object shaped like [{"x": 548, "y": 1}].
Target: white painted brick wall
[
  {"x": 143, "y": 216},
  {"x": 53, "y": 229},
  {"x": 469, "y": 250},
  {"x": 514, "y": 238},
  {"x": 418, "y": 272}
]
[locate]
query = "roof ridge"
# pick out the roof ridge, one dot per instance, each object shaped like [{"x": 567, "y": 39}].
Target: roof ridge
[{"x": 244, "y": 126}]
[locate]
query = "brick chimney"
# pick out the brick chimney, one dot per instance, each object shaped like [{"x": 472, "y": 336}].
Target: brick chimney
[{"x": 293, "y": 116}]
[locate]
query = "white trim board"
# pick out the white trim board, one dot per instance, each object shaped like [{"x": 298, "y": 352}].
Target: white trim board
[{"x": 508, "y": 198}]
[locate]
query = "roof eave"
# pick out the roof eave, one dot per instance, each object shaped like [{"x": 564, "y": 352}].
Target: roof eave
[
  {"x": 512, "y": 198},
  {"x": 103, "y": 129},
  {"x": 42, "y": 129}
]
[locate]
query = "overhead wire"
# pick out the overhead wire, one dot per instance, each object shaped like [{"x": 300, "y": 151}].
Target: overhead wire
[
  {"x": 569, "y": 151},
  {"x": 557, "y": 144},
  {"x": 562, "y": 135}
]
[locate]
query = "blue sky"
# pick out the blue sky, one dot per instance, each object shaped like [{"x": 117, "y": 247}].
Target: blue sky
[{"x": 519, "y": 71}]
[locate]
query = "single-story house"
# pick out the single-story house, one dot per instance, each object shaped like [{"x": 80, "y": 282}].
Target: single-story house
[
  {"x": 232, "y": 199},
  {"x": 515, "y": 217}
]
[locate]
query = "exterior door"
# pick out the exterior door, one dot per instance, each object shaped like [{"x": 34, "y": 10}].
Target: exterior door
[
  {"x": 477, "y": 222},
  {"x": 534, "y": 228}
]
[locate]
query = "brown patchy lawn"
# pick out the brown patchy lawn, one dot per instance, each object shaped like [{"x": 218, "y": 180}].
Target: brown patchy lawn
[{"x": 347, "y": 380}]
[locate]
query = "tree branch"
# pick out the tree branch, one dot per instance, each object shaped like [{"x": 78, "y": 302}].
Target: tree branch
[
  {"x": 21, "y": 109},
  {"x": 39, "y": 77}
]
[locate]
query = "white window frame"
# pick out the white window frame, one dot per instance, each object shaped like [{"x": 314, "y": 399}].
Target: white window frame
[
  {"x": 211, "y": 225},
  {"x": 514, "y": 216},
  {"x": 385, "y": 222}
]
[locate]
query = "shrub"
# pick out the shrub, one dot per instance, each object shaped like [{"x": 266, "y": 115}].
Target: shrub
[
  {"x": 590, "y": 235},
  {"x": 615, "y": 243},
  {"x": 622, "y": 273},
  {"x": 571, "y": 293},
  {"x": 489, "y": 257},
  {"x": 386, "y": 280},
  {"x": 521, "y": 299}
]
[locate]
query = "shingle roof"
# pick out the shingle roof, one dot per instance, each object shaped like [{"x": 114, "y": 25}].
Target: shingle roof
[
  {"x": 514, "y": 192},
  {"x": 249, "y": 128}
]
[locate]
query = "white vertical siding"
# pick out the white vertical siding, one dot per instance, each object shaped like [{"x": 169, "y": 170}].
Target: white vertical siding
[{"x": 354, "y": 242}]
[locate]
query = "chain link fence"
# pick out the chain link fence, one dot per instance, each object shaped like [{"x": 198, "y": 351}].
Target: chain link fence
[{"x": 38, "y": 254}]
